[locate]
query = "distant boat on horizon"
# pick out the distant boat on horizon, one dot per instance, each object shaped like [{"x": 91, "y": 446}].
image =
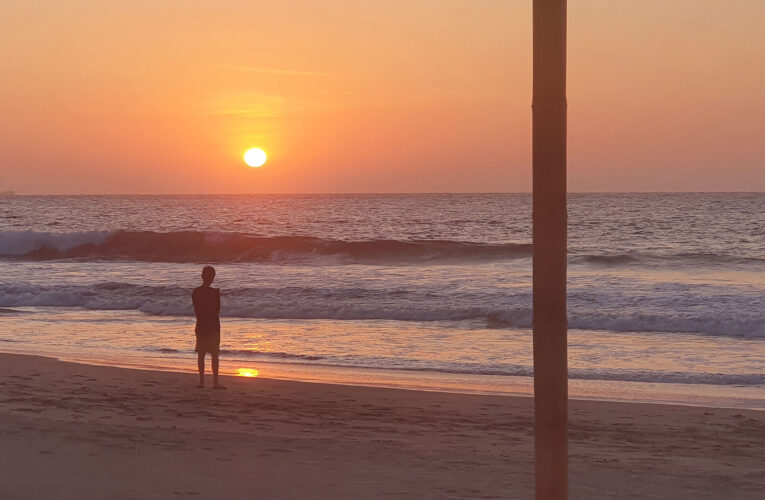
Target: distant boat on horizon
[{"x": 7, "y": 193}]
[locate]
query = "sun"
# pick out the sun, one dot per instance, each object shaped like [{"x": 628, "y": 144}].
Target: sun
[{"x": 255, "y": 157}]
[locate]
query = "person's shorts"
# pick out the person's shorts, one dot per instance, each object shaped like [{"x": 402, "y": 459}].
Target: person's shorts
[{"x": 208, "y": 343}]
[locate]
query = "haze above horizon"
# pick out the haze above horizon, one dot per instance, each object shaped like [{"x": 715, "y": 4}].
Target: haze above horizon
[{"x": 361, "y": 97}]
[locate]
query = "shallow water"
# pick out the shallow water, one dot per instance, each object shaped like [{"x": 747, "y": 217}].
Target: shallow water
[{"x": 666, "y": 291}]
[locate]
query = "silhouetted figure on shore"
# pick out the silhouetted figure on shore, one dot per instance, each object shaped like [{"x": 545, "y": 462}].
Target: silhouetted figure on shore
[{"x": 206, "y": 301}]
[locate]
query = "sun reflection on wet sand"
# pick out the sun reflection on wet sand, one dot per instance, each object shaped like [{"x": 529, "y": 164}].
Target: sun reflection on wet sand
[{"x": 248, "y": 372}]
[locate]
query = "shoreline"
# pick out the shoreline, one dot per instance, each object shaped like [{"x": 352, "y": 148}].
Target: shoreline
[
  {"x": 75, "y": 430},
  {"x": 517, "y": 386}
]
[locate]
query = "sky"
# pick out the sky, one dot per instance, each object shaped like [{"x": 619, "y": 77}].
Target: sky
[{"x": 165, "y": 96}]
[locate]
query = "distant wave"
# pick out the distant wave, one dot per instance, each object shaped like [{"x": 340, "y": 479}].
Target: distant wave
[
  {"x": 31, "y": 243},
  {"x": 664, "y": 259},
  {"x": 4, "y": 310},
  {"x": 607, "y": 259},
  {"x": 221, "y": 247},
  {"x": 194, "y": 246},
  {"x": 389, "y": 363},
  {"x": 369, "y": 304}
]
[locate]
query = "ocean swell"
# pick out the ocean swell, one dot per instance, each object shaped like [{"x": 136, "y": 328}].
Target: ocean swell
[
  {"x": 215, "y": 247},
  {"x": 222, "y": 247}
]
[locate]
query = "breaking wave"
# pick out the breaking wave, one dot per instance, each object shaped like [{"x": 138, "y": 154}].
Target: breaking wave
[
  {"x": 220, "y": 247},
  {"x": 194, "y": 246},
  {"x": 369, "y": 304}
]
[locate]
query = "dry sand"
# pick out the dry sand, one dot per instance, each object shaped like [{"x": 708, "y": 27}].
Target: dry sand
[{"x": 79, "y": 431}]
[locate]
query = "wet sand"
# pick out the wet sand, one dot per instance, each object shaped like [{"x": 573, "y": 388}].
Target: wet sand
[{"x": 79, "y": 431}]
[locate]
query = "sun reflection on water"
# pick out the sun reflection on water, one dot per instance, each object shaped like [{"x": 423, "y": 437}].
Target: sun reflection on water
[{"x": 247, "y": 372}]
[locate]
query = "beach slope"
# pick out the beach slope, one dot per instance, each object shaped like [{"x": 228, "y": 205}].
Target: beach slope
[{"x": 78, "y": 431}]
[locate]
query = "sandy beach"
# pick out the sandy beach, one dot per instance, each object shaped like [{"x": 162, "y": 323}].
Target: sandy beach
[{"x": 81, "y": 431}]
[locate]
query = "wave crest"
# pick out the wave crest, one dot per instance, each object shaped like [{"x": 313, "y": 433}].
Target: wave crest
[{"x": 196, "y": 246}]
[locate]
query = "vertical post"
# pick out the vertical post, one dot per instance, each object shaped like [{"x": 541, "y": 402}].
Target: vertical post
[{"x": 549, "y": 217}]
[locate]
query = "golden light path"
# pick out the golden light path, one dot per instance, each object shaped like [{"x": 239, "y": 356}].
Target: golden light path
[
  {"x": 247, "y": 372},
  {"x": 255, "y": 157}
]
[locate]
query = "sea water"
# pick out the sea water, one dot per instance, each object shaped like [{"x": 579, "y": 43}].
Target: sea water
[{"x": 666, "y": 292}]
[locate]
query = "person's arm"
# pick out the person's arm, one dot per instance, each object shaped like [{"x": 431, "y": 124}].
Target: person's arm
[
  {"x": 217, "y": 301},
  {"x": 194, "y": 302}
]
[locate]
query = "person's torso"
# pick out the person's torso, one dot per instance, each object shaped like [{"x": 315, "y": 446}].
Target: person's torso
[{"x": 207, "y": 307}]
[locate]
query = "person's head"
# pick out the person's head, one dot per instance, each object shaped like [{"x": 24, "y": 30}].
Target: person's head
[{"x": 208, "y": 275}]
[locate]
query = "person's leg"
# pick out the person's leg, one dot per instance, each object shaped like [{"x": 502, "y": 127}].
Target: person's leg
[
  {"x": 201, "y": 366},
  {"x": 215, "y": 365}
]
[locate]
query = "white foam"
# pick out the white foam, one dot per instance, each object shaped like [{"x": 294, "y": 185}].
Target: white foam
[
  {"x": 24, "y": 242},
  {"x": 306, "y": 304}
]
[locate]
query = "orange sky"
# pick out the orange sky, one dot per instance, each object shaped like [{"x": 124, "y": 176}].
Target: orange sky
[{"x": 158, "y": 96}]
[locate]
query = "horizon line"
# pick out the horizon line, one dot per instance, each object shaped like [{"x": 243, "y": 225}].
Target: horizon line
[{"x": 378, "y": 193}]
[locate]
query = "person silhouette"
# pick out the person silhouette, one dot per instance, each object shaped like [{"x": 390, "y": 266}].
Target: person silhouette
[{"x": 206, "y": 300}]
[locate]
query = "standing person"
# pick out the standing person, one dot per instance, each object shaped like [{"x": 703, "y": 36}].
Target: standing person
[{"x": 206, "y": 301}]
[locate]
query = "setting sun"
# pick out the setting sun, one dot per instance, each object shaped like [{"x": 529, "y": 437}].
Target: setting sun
[{"x": 255, "y": 157}]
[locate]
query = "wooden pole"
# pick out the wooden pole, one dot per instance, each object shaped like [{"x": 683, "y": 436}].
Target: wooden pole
[{"x": 549, "y": 207}]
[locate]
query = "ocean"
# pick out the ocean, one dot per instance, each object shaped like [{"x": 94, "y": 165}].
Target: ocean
[{"x": 430, "y": 291}]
